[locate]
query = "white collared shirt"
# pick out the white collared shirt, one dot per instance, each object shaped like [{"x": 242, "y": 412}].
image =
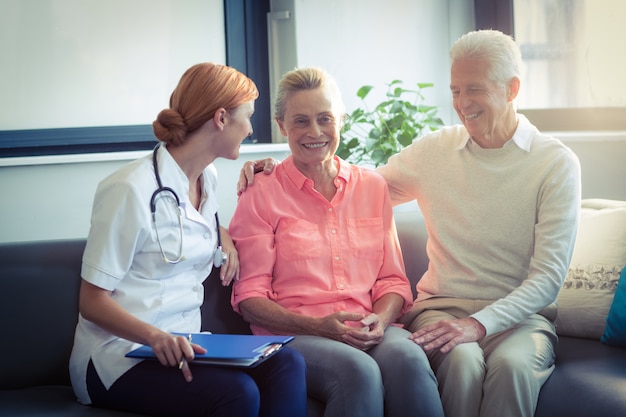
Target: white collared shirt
[
  {"x": 522, "y": 137},
  {"x": 123, "y": 256}
]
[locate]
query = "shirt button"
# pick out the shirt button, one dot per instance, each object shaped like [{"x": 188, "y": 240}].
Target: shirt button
[
  {"x": 333, "y": 231},
  {"x": 340, "y": 286},
  {"x": 330, "y": 209},
  {"x": 336, "y": 258}
]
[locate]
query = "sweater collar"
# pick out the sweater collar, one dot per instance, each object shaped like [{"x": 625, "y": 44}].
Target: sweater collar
[{"x": 523, "y": 136}]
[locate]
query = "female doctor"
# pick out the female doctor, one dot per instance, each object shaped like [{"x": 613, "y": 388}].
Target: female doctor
[{"x": 153, "y": 240}]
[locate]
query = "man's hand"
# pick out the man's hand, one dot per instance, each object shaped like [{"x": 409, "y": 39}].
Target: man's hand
[
  {"x": 246, "y": 175},
  {"x": 448, "y": 334}
]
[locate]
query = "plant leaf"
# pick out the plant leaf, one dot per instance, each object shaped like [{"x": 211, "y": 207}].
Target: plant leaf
[
  {"x": 364, "y": 91},
  {"x": 394, "y": 123}
]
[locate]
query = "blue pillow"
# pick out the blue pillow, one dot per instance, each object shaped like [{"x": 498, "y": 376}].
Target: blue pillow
[{"x": 615, "y": 331}]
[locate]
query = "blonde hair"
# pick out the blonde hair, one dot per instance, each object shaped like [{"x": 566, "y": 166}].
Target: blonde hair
[
  {"x": 201, "y": 91},
  {"x": 305, "y": 79}
]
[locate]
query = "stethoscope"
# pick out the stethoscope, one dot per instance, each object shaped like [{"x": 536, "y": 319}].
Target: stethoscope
[{"x": 219, "y": 257}]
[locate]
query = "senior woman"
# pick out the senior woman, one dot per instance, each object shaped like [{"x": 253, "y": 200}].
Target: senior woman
[{"x": 320, "y": 259}]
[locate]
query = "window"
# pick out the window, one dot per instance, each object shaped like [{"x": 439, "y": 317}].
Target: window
[
  {"x": 104, "y": 115},
  {"x": 568, "y": 59},
  {"x": 571, "y": 72},
  {"x": 247, "y": 51}
]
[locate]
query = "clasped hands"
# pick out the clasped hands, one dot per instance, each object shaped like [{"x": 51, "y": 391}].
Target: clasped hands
[{"x": 357, "y": 330}]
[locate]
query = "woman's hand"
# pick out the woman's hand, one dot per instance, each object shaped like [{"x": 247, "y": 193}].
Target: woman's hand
[
  {"x": 355, "y": 329},
  {"x": 371, "y": 329},
  {"x": 230, "y": 269},
  {"x": 97, "y": 306},
  {"x": 173, "y": 350},
  {"x": 369, "y": 334}
]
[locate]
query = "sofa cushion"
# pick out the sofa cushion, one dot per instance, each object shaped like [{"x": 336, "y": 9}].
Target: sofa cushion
[
  {"x": 51, "y": 401},
  {"x": 615, "y": 332},
  {"x": 40, "y": 282},
  {"x": 588, "y": 381},
  {"x": 601, "y": 237},
  {"x": 598, "y": 258}
]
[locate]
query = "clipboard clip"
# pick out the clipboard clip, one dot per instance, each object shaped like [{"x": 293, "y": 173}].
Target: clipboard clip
[{"x": 274, "y": 347}]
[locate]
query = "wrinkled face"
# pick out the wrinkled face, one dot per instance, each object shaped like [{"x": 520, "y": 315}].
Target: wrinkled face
[
  {"x": 311, "y": 124},
  {"x": 238, "y": 127},
  {"x": 484, "y": 106}
]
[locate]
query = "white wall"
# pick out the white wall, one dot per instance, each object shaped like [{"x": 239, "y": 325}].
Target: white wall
[
  {"x": 69, "y": 63},
  {"x": 371, "y": 42},
  {"x": 50, "y": 197},
  {"x": 374, "y": 42},
  {"x": 602, "y": 158}
]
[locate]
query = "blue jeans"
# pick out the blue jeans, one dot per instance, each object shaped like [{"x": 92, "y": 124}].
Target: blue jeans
[{"x": 275, "y": 388}]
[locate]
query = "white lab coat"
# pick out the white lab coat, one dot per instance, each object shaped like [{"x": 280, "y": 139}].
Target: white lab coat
[{"x": 123, "y": 256}]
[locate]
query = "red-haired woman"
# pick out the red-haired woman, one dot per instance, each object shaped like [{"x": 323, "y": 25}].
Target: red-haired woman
[{"x": 154, "y": 238}]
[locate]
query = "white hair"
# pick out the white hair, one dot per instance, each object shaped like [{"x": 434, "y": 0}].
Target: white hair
[{"x": 500, "y": 51}]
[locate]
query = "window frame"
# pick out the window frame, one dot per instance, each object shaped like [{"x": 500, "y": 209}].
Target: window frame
[
  {"x": 75, "y": 140},
  {"x": 247, "y": 51}
]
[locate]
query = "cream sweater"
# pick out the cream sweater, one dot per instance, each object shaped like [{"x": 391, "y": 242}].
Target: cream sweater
[{"x": 501, "y": 222}]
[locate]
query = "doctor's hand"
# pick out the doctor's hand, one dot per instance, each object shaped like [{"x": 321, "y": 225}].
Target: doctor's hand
[
  {"x": 246, "y": 175},
  {"x": 172, "y": 350},
  {"x": 447, "y": 334},
  {"x": 230, "y": 269}
]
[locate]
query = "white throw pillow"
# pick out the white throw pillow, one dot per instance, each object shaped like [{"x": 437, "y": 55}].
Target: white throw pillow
[
  {"x": 585, "y": 300},
  {"x": 598, "y": 258},
  {"x": 601, "y": 237}
]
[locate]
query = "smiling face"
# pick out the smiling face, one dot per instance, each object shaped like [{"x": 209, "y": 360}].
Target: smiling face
[
  {"x": 311, "y": 124},
  {"x": 484, "y": 106}
]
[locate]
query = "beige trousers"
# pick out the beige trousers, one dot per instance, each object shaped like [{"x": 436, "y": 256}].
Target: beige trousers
[{"x": 499, "y": 376}]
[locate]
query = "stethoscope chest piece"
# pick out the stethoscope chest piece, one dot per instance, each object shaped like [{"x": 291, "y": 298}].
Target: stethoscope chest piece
[{"x": 219, "y": 257}]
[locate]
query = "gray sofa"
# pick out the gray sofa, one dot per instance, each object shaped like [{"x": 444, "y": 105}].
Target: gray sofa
[{"x": 38, "y": 302}]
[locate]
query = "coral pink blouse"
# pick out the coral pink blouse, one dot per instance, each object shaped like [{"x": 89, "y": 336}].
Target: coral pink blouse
[{"x": 313, "y": 256}]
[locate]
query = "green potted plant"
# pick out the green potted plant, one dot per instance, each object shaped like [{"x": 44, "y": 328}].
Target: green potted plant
[{"x": 370, "y": 137}]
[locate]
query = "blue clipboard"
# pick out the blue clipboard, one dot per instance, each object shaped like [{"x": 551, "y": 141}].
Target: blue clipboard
[{"x": 239, "y": 350}]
